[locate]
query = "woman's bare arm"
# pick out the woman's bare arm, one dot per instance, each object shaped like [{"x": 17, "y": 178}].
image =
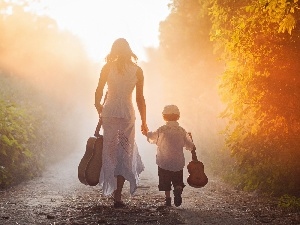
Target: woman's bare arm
[
  {"x": 100, "y": 87},
  {"x": 140, "y": 100}
]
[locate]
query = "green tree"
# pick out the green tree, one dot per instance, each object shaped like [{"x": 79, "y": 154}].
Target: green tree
[
  {"x": 260, "y": 45},
  {"x": 258, "y": 40},
  {"x": 184, "y": 34},
  {"x": 41, "y": 68}
]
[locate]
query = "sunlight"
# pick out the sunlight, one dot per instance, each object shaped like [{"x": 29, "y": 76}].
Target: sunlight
[{"x": 99, "y": 22}]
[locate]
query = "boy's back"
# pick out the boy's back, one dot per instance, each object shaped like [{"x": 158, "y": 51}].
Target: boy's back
[{"x": 170, "y": 140}]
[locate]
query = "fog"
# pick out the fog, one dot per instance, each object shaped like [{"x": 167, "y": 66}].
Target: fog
[
  {"x": 55, "y": 63},
  {"x": 194, "y": 89}
]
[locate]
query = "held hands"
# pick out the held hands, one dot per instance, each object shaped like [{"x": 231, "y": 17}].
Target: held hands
[{"x": 144, "y": 129}]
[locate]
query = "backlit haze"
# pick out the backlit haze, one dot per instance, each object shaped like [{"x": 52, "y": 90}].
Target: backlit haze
[
  {"x": 64, "y": 66},
  {"x": 99, "y": 22}
]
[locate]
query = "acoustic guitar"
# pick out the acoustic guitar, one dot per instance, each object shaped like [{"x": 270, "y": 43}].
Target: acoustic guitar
[
  {"x": 90, "y": 165},
  {"x": 197, "y": 177}
]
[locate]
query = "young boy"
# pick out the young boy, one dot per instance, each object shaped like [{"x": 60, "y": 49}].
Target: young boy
[{"x": 170, "y": 140}]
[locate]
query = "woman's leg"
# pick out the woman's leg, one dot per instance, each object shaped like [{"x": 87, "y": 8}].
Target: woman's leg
[
  {"x": 118, "y": 191},
  {"x": 128, "y": 160}
]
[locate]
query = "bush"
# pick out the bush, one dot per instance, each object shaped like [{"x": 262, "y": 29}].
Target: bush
[{"x": 25, "y": 123}]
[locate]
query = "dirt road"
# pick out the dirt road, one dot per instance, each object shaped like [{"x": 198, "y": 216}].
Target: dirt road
[{"x": 58, "y": 198}]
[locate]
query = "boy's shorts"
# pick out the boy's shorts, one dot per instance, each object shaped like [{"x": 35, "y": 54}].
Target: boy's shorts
[{"x": 167, "y": 178}]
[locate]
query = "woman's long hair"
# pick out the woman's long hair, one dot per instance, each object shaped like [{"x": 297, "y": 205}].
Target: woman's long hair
[{"x": 121, "y": 53}]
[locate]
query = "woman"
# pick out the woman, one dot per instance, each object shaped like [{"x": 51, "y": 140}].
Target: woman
[{"x": 121, "y": 160}]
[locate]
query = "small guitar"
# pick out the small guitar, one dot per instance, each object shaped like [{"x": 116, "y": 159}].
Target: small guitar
[{"x": 197, "y": 177}]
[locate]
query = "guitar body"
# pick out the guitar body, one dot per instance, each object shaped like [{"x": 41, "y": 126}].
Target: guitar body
[
  {"x": 197, "y": 177},
  {"x": 90, "y": 165}
]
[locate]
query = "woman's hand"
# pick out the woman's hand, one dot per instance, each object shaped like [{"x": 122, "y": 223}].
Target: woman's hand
[{"x": 144, "y": 129}]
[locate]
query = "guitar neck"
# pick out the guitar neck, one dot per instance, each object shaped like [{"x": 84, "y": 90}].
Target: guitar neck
[{"x": 194, "y": 156}]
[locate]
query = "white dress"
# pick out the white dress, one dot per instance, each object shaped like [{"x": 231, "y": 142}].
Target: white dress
[{"x": 120, "y": 152}]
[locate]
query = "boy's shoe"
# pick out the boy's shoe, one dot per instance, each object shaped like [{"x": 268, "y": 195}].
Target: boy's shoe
[
  {"x": 168, "y": 202},
  {"x": 177, "y": 196}
]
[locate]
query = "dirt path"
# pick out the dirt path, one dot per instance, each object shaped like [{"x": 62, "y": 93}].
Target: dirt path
[{"x": 58, "y": 198}]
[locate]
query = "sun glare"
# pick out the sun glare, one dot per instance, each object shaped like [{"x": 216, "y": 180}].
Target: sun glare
[{"x": 99, "y": 22}]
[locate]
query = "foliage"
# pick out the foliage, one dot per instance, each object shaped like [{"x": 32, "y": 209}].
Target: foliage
[
  {"x": 18, "y": 160},
  {"x": 37, "y": 123},
  {"x": 259, "y": 42},
  {"x": 260, "y": 45},
  {"x": 184, "y": 34},
  {"x": 288, "y": 201},
  {"x": 33, "y": 133}
]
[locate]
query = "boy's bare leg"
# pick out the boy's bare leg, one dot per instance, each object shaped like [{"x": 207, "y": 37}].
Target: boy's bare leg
[
  {"x": 177, "y": 195},
  {"x": 167, "y": 193},
  {"x": 168, "y": 198}
]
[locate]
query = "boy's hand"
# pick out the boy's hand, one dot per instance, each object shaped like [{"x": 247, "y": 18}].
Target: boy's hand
[
  {"x": 194, "y": 156},
  {"x": 144, "y": 129}
]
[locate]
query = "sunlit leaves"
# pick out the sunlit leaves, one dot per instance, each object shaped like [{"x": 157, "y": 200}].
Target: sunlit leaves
[
  {"x": 256, "y": 40},
  {"x": 15, "y": 132},
  {"x": 287, "y": 24},
  {"x": 40, "y": 67},
  {"x": 288, "y": 201},
  {"x": 281, "y": 12}
]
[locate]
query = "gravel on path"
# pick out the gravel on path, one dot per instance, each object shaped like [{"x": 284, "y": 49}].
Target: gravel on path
[{"x": 58, "y": 197}]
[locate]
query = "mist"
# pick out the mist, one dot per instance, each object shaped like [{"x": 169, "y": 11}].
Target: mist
[
  {"x": 193, "y": 87},
  {"x": 55, "y": 63}
]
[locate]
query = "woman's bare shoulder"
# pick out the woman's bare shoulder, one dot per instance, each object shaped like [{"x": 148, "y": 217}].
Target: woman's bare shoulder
[
  {"x": 139, "y": 73},
  {"x": 107, "y": 66}
]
